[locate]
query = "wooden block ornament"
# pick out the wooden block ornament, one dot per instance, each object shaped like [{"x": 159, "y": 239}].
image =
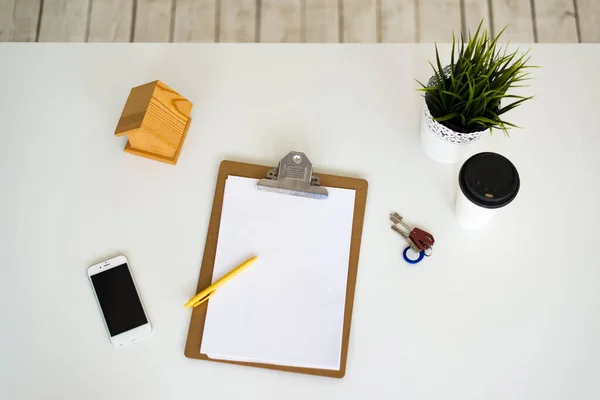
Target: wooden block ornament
[{"x": 156, "y": 120}]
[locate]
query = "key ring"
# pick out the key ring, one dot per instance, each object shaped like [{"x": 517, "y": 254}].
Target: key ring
[{"x": 415, "y": 261}]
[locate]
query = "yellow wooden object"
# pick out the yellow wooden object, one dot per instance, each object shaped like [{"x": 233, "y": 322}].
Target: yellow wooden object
[{"x": 156, "y": 120}]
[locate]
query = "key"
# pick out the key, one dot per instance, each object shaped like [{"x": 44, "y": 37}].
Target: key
[
  {"x": 395, "y": 218},
  {"x": 407, "y": 237},
  {"x": 423, "y": 240}
]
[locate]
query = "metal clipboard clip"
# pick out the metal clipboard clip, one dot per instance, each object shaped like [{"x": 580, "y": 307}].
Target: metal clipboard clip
[{"x": 293, "y": 176}]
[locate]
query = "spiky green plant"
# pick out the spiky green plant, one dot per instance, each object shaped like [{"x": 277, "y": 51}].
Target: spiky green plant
[{"x": 467, "y": 96}]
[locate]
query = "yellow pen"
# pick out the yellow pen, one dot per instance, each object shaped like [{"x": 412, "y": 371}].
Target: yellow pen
[{"x": 206, "y": 293}]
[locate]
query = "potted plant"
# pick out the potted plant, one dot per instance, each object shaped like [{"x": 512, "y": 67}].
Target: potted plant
[{"x": 467, "y": 97}]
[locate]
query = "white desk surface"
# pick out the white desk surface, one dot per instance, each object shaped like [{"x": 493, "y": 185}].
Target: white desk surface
[{"x": 509, "y": 313}]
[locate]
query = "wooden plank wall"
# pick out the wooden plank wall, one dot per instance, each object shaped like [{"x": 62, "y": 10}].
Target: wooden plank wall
[
  {"x": 359, "y": 21},
  {"x": 280, "y": 21},
  {"x": 238, "y": 21},
  {"x": 318, "y": 21},
  {"x": 437, "y": 20},
  {"x": 114, "y": 29},
  {"x": 153, "y": 21},
  {"x": 19, "y": 20},
  {"x": 517, "y": 15},
  {"x": 64, "y": 21},
  {"x": 321, "y": 21},
  {"x": 397, "y": 21},
  {"x": 195, "y": 21},
  {"x": 475, "y": 11},
  {"x": 588, "y": 13}
]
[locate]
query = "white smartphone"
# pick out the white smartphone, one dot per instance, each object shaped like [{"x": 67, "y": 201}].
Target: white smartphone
[{"x": 119, "y": 301}]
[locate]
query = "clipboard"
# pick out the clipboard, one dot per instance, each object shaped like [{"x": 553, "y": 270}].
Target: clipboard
[{"x": 227, "y": 168}]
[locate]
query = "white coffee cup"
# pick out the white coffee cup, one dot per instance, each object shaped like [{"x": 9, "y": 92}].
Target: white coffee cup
[{"x": 486, "y": 183}]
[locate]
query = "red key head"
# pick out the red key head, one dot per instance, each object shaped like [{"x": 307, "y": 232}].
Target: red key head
[{"x": 423, "y": 240}]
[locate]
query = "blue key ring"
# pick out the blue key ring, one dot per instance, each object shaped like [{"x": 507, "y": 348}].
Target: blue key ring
[{"x": 416, "y": 261}]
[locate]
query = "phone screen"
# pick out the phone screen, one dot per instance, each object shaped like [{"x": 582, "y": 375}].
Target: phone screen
[{"x": 119, "y": 300}]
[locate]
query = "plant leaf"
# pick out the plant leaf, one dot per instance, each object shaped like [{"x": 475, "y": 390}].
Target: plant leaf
[
  {"x": 446, "y": 117},
  {"x": 480, "y": 75}
]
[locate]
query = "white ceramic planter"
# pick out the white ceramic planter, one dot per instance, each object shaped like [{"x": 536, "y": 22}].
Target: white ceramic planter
[{"x": 442, "y": 144}]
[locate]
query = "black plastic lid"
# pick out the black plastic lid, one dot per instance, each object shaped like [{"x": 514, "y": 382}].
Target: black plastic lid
[{"x": 489, "y": 180}]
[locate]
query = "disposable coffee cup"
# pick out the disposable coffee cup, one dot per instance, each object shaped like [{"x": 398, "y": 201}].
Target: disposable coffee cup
[{"x": 487, "y": 182}]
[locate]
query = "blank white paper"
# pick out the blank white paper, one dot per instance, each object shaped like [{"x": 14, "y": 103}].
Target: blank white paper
[{"x": 288, "y": 307}]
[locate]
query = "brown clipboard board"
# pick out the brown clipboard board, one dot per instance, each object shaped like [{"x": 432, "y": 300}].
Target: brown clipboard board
[{"x": 196, "y": 330}]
